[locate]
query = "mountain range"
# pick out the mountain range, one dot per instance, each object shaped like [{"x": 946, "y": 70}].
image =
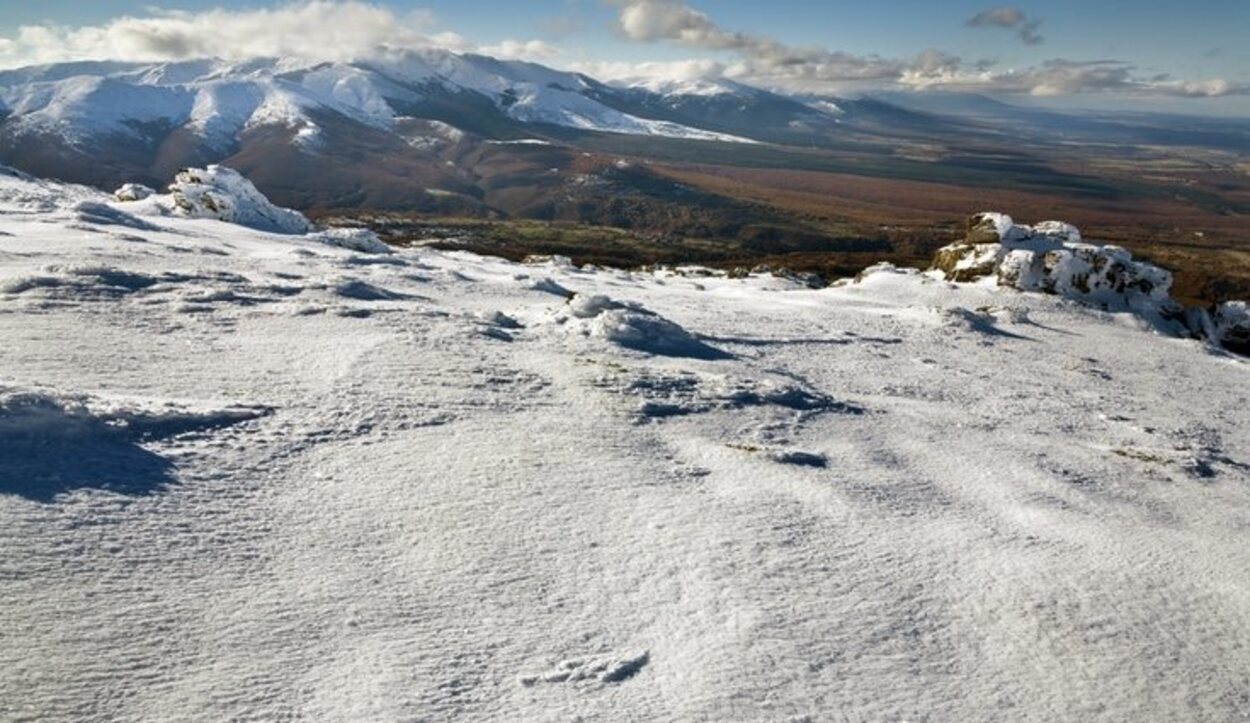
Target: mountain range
[
  {"x": 705, "y": 170},
  {"x": 408, "y": 130},
  {"x": 104, "y": 122}
]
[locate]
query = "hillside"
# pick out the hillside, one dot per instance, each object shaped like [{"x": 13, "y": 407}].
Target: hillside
[
  {"x": 705, "y": 171},
  {"x": 247, "y": 474}
]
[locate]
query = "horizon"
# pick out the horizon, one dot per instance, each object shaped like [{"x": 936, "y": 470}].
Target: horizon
[{"x": 1049, "y": 54}]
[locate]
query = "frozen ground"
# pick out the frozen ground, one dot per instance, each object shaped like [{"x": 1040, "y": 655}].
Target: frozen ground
[{"x": 253, "y": 477}]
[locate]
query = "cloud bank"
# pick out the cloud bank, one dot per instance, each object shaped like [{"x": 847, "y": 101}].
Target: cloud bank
[
  {"x": 316, "y": 29},
  {"x": 346, "y": 30},
  {"x": 767, "y": 61}
]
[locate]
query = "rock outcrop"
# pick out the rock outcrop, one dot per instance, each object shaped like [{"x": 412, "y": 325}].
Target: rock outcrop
[
  {"x": 1230, "y": 323},
  {"x": 224, "y": 194},
  {"x": 1052, "y": 258},
  {"x": 131, "y": 192}
]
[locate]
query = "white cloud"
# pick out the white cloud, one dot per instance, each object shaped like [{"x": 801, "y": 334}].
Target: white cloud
[
  {"x": 1065, "y": 77},
  {"x": 673, "y": 70},
  {"x": 769, "y": 62},
  {"x": 327, "y": 30},
  {"x": 521, "y": 50},
  {"x": 334, "y": 30}
]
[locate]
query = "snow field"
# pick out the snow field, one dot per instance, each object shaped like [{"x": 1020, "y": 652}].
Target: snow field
[{"x": 251, "y": 475}]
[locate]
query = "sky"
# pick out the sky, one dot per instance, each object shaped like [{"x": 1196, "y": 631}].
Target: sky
[{"x": 1145, "y": 53}]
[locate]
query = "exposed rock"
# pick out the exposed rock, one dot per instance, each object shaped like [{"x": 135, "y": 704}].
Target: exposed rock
[
  {"x": 810, "y": 280},
  {"x": 1231, "y": 326},
  {"x": 557, "y": 260},
  {"x": 131, "y": 192},
  {"x": 1050, "y": 257},
  {"x": 353, "y": 239},
  {"x": 223, "y": 194}
]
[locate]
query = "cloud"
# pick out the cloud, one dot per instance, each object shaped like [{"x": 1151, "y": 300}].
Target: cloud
[
  {"x": 520, "y": 50},
  {"x": 345, "y": 30},
  {"x": 766, "y": 61},
  {"x": 675, "y": 70},
  {"x": 327, "y": 30},
  {"x": 1011, "y": 19},
  {"x": 1061, "y": 77},
  {"x": 672, "y": 20}
]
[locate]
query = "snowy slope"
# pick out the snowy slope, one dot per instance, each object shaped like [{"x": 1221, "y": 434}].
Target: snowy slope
[
  {"x": 217, "y": 100},
  {"x": 255, "y": 476}
]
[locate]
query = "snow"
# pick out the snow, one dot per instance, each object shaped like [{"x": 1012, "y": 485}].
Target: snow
[
  {"x": 81, "y": 108},
  {"x": 532, "y": 103},
  {"x": 218, "y": 100},
  {"x": 256, "y": 476},
  {"x": 631, "y": 326},
  {"x": 222, "y": 194},
  {"x": 223, "y": 109},
  {"x": 827, "y": 107}
]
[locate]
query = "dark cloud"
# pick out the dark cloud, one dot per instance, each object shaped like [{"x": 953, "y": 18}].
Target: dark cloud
[{"x": 1027, "y": 28}]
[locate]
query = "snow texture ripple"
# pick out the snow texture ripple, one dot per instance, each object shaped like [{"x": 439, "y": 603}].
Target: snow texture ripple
[{"x": 251, "y": 476}]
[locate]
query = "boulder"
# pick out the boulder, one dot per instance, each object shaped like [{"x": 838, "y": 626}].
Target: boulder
[
  {"x": 132, "y": 192},
  {"x": 223, "y": 194},
  {"x": 1051, "y": 258},
  {"x": 1230, "y": 323},
  {"x": 353, "y": 239}
]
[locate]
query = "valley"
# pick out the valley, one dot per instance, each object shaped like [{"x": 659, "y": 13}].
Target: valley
[{"x": 518, "y": 159}]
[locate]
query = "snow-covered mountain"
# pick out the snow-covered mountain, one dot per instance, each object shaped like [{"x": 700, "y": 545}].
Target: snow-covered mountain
[
  {"x": 218, "y": 101},
  {"x": 249, "y": 473},
  {"x": 324, "y": 134}
]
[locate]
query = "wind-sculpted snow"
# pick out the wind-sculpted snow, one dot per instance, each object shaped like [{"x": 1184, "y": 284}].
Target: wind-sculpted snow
[
  {"x": 633, "y": 327},
  {"x": 251, "y": 476},
  {"x": 51, "y": 444}
]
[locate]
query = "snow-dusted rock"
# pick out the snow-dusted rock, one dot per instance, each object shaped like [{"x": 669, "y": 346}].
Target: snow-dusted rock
[
  {"x": 1231, "y": 326},
  {"x": 224, "y": 194},
  {"x": 1051, "y": 257},
  {"x": 131, "y": 192},
  {"x": 353, "y": 239}
]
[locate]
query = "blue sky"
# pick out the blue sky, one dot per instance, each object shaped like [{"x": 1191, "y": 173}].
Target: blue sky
[{"x": 1195, "y": 41}]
